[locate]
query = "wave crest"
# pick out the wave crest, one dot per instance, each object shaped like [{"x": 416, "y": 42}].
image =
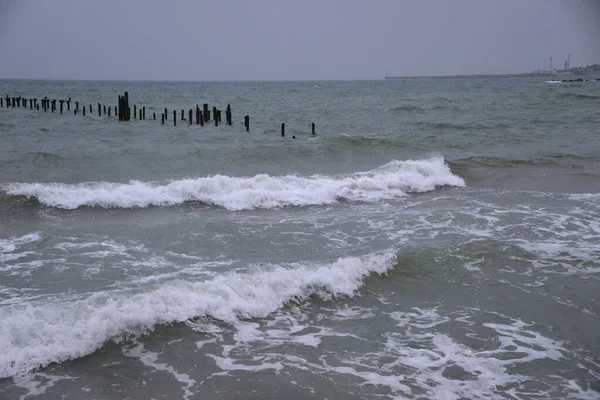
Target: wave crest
[
  {"x": 392, "y": 180},
  {"x": 36, "y": 335}
]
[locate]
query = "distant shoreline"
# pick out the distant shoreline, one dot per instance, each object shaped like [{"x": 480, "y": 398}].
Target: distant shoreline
[
  {"x": 578, "y": 72},
  {"x": 480, "y": 76}
]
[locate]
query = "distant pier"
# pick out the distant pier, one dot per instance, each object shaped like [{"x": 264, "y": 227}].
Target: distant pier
[{"x": 123, "y": 111}]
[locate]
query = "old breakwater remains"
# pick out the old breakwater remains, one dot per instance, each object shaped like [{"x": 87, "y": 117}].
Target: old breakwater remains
[{"x": 123, "y": 111}]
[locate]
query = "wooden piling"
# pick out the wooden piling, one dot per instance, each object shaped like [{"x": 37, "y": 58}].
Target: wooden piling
[
  {"x": 126, "y": 107},
  {"x": 283, "y": 129},
  {"x": 228, "y": 115},
  {"x": 216, "y": 118},
  {"x": 313, "y": 128},
  {"x": 61, "y": 105},
  {"x": 99, "y": 110},
  {"x": 197, "y": 115},
  {"x": 174, "y": 118},
  {"x": 109, "y": 107},
  {"x": 144, "y": 112},
  {"x": 69, "y": 104},
  {"x": 154, "y": 116},
  {"x": 182, "y": 117},
  {"x": 201, "y": 119},
  {"x": 205, "y": 112},
  {"x": 115, "y": 111},
  {"x": 1, "y": 103},
  {"x": 190, "y": 116},
  {"x": 128, "y": 111},
  {"x": 84, "y": 111},
  {"x": 77, "y": 105},
  {"x": 140, "y": 114},
  {"x": 134, "y": 111},
  {"x": 162, "y": 119},
  {"x": 247, "y": 123},
  {"x": 166, "y": 114},
  {"x": 53, "y": 105},
  {"x": 104, "y": 109}
]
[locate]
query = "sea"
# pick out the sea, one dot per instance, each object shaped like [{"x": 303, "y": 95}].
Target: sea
[{"x": 434, "y": 239}]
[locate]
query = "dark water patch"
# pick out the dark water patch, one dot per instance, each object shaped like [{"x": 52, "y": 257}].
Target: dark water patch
[
  {"x": 570, "y": 95},
  {"x": 42, "y": 158},
  {"x": 362, "y": 141},
  {"x": 451, "y": 126},
  {"x": 408, "y": 108},
  {"x": 496, "y": 162},
  {"x": 18, "y": 201},
  {"x": 551, "y": 160}
]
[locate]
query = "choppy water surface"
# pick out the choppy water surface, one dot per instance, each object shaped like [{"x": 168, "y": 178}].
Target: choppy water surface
[{"x": 436, "y": 239}]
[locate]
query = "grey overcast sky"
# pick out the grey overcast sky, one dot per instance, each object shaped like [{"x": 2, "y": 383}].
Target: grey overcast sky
[{"x": 291, "y": 40}]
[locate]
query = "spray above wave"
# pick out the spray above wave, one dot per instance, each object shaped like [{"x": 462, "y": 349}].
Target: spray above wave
[
  {"x": 39, "y": 334},
  {"x": 392, "y": 180}
]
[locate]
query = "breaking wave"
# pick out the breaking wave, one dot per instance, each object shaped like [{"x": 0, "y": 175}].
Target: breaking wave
[{"x": 392, "y": 180}]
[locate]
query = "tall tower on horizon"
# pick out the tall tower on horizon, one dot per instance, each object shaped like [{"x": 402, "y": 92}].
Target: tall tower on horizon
[
  {"x": 569, "y": 62},
  {"x": 550, "y": 63}
]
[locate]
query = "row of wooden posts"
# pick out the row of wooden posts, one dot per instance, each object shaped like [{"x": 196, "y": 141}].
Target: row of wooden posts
[{"x": 123, "y": 111}]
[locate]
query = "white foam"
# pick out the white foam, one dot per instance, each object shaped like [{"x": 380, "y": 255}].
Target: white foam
[
  {"x": 150, "y": 359},
  {"x": 38, "y": 384},
  {"x": 392, "y": 180},
  {"x": 38, "y": 334},
  {"x": 12, "y": 244},
  {"x": 418, "y": 358}
]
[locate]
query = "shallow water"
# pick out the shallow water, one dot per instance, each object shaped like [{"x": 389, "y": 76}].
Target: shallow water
[{"x": 435, "y": 239}]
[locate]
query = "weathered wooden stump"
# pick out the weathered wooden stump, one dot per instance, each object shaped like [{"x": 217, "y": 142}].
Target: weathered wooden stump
[
  {"x": 283, "y": 129},
  {"x": 247, "y": 123}
]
